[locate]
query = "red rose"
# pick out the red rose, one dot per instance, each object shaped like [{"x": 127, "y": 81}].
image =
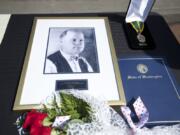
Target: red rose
[
  {"x": 35, "y": 130},
  {"x": 33, "y": 122}
]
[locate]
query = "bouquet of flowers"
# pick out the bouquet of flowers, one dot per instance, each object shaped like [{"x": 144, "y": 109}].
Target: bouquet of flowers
[{"x": 75, "y": 113}]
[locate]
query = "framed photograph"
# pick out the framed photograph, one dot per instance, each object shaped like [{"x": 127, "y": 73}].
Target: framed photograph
[{"x": 67, "y": 53}]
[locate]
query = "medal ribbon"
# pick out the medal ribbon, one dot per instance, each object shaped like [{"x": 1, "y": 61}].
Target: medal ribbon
[
  {"x": 138, "y": 26},
  {"x": 141, "y": 112}
]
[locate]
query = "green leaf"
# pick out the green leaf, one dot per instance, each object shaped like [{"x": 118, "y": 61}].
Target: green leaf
[
  {"x": 47, "y": 122},
  {"x": 76, "y": 121},
  {"x": 55, "y": 132},
  {"x": 77, "y": 108},
  {"x": 52, "y": 113}
]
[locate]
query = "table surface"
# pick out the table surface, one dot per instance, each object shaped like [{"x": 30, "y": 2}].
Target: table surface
[{"x": 14, "y": 45}]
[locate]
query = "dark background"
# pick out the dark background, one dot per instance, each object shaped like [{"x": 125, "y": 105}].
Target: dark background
[{"x": 14, "y": 45}]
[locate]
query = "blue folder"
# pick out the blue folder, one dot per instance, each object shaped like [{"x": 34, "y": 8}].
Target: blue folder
[{"x": 151, "y": 79}]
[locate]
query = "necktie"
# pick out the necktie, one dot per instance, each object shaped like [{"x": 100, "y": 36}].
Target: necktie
[{"x": 83, "y": 65}]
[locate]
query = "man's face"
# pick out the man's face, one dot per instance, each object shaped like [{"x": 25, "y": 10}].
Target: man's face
[{"x": 73, "y": 43}]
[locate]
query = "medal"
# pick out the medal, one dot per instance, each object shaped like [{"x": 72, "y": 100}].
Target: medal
[
  {"x": 137, "y": 32},
  {"x": 141, "y": 38},
  {"x": 139, "y": 27}
]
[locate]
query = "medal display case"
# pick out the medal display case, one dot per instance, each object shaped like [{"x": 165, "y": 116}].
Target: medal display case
[
  {"x": 137, "y": 32},
  {"x": 139, "y": 41}
]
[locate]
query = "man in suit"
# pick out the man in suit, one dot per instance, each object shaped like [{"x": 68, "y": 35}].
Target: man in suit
[{"x": 67, "y": 58}]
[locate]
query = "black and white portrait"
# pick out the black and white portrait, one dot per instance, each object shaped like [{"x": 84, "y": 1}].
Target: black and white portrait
[{"x": 71, "y": 50}]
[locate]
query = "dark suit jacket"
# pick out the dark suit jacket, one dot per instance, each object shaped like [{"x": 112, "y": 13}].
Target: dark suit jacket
[{"x": 60, "y": 62}]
